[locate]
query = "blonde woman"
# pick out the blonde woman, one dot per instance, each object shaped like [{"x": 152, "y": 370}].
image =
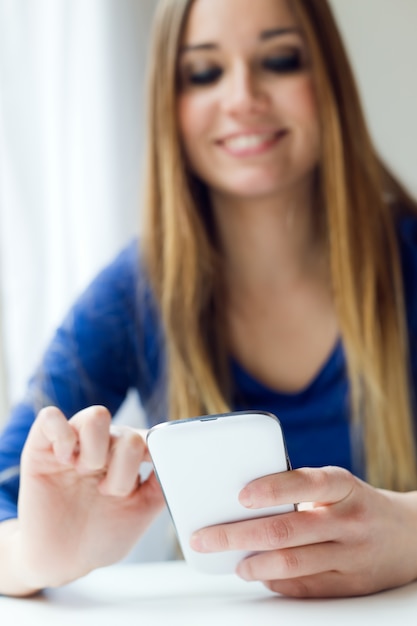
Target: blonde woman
[{"x": 277, "y": 270}]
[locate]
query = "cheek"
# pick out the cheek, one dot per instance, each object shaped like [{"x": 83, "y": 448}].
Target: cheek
[
  {"x": 302, "y": 108},
  {"x": 301, "y": 103}
]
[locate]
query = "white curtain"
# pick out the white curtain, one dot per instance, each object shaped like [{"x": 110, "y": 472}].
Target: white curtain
[
  {"x": 71, "y": 130},
  {"x": 71, "y": 136}
]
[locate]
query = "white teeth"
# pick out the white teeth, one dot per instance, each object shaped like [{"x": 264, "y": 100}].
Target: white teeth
[{"x": 245, "y": 142}]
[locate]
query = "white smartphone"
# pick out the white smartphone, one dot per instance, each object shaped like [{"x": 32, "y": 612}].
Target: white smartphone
[{"x": 203, "y": 463}]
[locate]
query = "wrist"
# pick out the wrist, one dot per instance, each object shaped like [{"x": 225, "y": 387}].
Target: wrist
[
  {"x": 33, "y": 569},
  {"x": 405, "y": 507},
  {"x": 14, "y": 579}
]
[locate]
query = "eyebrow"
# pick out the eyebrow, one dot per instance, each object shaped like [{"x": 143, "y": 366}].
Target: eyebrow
[
  {"x": 277, "y": 32},
  {"x": 264, "y": 36}
]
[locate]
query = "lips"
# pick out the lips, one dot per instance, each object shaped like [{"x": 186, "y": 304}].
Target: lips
[{"x": 250, "y": 143}]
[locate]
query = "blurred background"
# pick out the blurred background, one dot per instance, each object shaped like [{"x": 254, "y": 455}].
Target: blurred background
[
  {"x": 71, "y": 135},
  {"x": 71, "y": 139}
]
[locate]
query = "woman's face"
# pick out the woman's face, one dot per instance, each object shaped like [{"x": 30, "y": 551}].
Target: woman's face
[{"x": 246, "y": 104}]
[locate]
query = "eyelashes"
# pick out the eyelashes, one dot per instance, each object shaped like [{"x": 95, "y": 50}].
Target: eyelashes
[
  {"x": 207, "y": 77},
  {"x": 282, "y": 64},
  {"x": 287, "y": 64}
]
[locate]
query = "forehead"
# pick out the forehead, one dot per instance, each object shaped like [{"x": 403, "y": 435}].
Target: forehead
[{"x": 227, "y": 22}]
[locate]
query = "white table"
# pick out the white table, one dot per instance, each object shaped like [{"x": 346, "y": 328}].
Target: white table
[{"x": 171, "y": 594}]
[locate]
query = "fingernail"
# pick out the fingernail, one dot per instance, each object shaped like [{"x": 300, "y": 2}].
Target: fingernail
[
  {"x": 242, "y": 571},
  {"x": 197, "y": 542},
  {"x": 245, "y": 498}
]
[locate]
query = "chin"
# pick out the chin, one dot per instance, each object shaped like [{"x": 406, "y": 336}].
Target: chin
[
  {"x": 262, "y": 184},
  {"x": 254, "y": 189}
]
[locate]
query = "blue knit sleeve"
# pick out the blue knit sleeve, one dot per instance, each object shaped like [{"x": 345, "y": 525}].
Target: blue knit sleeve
[
  {"x": 407, "y": 231},
  {"x": 96, "y": 355}
]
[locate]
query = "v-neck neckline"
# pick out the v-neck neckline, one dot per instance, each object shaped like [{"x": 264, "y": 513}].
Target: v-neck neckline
[{"x": 253, "y": 386}]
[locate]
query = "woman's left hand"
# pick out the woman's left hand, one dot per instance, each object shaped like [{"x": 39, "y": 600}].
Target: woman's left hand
[{"x": 350, "y": 539}]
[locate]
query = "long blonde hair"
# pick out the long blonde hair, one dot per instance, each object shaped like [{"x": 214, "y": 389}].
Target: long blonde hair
[{"x": 353, "y": 186}]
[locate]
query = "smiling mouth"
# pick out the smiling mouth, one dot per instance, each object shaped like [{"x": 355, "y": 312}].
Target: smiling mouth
[{"x": 251, "y": 143}]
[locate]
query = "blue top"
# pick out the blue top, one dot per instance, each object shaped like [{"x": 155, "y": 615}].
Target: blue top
[{"x": 110, "y": 342}]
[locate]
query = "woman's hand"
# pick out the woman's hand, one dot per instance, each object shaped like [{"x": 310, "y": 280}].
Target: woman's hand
[
  {"x": 81, "y": 502},
  {"x": 349, "y": 539}
]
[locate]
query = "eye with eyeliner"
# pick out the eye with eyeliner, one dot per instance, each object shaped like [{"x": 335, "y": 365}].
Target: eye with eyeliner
[
  {"x": 288, "y": 63},
  {"x": 283, "y": 62},
  {"x": 204, "y": 77}
]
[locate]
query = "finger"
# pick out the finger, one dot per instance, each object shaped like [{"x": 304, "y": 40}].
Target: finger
[
  {"x": 296, "y": 562},
  {"x": 93, "y": 427},
  {"x": 326, "y": 585},
  {"x": 143, "y": 432},
  {"x": 269, "y": 533},
  {"x": 323, "y": 485},
  {"x": 148, "y": 500},
  {"x": 151, "y": 495},
  {"x": 126, "y": 454},
  {"x": 51, "y": 432}
]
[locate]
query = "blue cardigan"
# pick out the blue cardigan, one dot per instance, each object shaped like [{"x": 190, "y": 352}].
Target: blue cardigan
[{"x": 111, "y": 342}]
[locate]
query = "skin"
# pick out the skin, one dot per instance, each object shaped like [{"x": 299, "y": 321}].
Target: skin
[
  {"x": 247, "y": 97},
  {"x": 351, "y": 539},
  {"x": 347, "y": 538},
  {"x": 81, "y": 504},
  {"x": 275, "y": 271}
]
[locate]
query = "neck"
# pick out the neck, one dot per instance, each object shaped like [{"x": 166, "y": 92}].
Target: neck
[{"x": 268, "y": 242}]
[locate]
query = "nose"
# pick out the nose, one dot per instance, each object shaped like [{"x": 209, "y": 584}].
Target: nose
[{"x": 243, "y": 92}]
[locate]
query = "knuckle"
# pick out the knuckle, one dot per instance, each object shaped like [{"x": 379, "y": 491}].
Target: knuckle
[
  {"x": 290, "y": 562},
  {"x": 130, "y": 442},
  {"x": 271, "y": 489},
  {"x": 47, "y": 413},
  {"x": 343, "y": 476},
  {"x": 135, "y": 442},
  {"x": 295, "y": 588},
  {"x": 48, "y": 419},
  {"x": 322, "y": 480},
  {"x": 318, "y": 477},
  {"x": 278, "y": 531},
  {"x": 222, "y": 538},
  {"x": 96, "y": 415},
  {"x": 90, "y": 421},
  {"x": 298, "y": 588}
]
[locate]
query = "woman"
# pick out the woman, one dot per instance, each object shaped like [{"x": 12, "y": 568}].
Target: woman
[{"x": 277, "y": 272}]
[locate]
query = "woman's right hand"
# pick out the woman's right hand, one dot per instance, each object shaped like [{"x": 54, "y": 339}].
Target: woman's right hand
[{"x": 81, "y": 502}]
